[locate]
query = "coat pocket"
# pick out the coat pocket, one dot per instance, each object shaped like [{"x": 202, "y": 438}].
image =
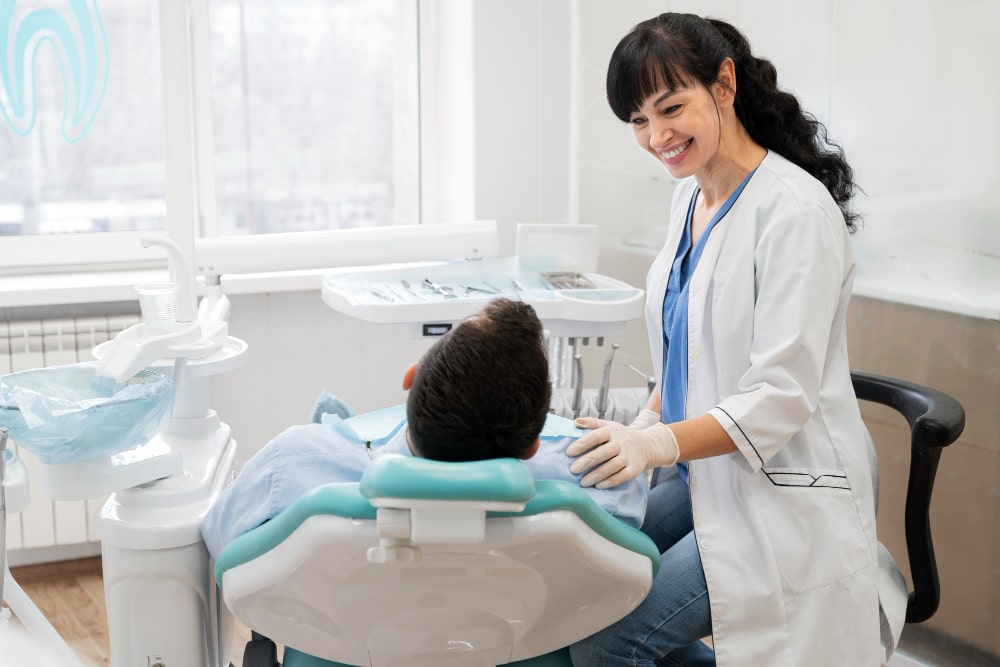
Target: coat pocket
[{"x": 813, "y": 525}]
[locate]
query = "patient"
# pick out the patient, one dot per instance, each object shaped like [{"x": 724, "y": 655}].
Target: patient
[{"x": 481, "y": 391}]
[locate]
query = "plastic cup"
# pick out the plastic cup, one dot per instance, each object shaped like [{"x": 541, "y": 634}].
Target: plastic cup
[{"x": 158, "y": 303}]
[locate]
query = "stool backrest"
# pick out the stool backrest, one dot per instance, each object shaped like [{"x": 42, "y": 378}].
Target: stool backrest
[{"x": 936, "y": 420}]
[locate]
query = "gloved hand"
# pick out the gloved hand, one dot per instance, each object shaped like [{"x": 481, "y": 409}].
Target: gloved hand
[
  {"x": 645, "y": 418},
  {"x": 615, "y": 453}
]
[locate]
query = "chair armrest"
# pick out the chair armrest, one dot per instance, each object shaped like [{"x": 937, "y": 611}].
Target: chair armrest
[{"x": 936, "y": 420}]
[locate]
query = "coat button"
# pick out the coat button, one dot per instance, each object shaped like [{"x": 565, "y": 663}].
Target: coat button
[{"x": 703, "y": 544}]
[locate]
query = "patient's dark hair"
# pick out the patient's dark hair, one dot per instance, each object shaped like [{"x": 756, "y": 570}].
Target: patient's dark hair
[{"x": 482, "y": 390}]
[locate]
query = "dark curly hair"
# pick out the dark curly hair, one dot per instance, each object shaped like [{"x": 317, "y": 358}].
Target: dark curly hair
[
  {"x": 674, "y": 50},
  {"x": 482, "y": 390}
]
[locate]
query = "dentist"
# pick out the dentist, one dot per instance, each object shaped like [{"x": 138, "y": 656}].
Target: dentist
[{"x": 766, "y": 523}]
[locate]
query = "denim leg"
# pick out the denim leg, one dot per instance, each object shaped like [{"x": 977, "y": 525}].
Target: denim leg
[
  {"x": 669, "y": 622},
  {"x": 668, "y": 513},
  {"x": 694, "y": 654}
]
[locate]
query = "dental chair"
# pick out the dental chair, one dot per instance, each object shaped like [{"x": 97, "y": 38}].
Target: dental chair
[{"x": 427, "y": 563}]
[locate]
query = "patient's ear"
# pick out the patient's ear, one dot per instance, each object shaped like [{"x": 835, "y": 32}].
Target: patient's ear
[
  {"x": 408, "y": 377},
  {"x": 534, "y": 449}
]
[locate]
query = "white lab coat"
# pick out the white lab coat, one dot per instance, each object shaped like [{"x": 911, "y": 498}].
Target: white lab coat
[{"x": 795, "y": 574}]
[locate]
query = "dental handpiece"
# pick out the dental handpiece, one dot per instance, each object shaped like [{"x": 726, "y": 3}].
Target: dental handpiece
[
  {"x": 578, "y": 388},
  {"x": 602, "y": 390},
  {"x": 650, "y": 380}
]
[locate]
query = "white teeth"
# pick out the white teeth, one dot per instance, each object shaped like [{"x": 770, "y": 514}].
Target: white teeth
[{"x": 677, "y": 151}]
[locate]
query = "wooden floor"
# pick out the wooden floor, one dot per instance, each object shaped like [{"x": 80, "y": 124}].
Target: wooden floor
[{"x": 71, "y": 595}]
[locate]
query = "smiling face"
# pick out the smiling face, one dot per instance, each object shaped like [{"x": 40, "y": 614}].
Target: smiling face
[
  {"x": 680, "y": 127},
  {"x": 673, "y": 79}
]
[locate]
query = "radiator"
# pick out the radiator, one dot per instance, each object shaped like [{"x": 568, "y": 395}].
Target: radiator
[{"x": 47, "y": 526}]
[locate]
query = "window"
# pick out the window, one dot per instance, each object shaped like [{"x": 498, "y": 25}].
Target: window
[
  {"x": 313, "y": 121},
  {"x": 315, "y": 114}
]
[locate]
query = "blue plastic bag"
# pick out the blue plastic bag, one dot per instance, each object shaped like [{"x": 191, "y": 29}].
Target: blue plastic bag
[{"x": 66, "y": 414}]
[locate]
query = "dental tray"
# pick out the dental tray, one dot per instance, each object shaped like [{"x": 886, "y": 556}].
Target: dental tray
[
  {"x": 567, "y": 280},
  {"x": 568, "y": 303}
]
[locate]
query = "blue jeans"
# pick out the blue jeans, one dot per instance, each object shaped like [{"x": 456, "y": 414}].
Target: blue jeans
[{"x": 666, "y": 627}]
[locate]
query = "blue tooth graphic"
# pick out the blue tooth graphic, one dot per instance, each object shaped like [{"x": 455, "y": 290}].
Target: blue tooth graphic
[{"x": 75, "y": 33}]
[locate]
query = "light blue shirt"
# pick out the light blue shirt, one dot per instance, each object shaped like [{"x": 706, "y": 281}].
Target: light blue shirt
[{"x": 304, "y": 457}]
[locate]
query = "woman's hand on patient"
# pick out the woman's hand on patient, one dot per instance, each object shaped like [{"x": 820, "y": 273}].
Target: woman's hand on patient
[
  {"x": 645, "y": 418},
  {"x": 615, "y": 453}
]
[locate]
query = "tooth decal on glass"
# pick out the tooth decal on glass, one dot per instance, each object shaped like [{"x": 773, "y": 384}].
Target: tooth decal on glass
[{"x": 75, "y": 33}]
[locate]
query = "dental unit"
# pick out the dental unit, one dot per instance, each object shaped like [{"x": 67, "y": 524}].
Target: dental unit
[{"x": 162, "y": 605}]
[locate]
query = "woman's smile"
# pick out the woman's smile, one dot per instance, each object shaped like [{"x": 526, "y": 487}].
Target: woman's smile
[{"x": 671, "y": 156}]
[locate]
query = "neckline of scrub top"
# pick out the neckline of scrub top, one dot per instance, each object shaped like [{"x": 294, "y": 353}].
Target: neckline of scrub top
[{"x": 673, "y": 395}]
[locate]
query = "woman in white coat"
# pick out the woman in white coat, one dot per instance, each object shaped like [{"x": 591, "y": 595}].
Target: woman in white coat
[{"x": 767, "y": 521}]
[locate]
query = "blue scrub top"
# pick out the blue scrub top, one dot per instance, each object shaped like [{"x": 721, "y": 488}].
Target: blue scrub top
[{"x": 673, "y": 391}]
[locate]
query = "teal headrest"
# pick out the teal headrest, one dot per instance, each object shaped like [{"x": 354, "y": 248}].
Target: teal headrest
[{"x": 497, "y": 480}]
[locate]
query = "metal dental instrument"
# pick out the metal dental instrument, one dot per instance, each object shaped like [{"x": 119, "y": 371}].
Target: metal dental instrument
[
  {"x": 392, "y": 291},
  {"x": 382, "y": 295},
  {"x": 578, "y": 388},
  {"x": 602, "y": 390},
  {"x": 472, "y": 288},
  {"x": 406, "y": 285},
  {"x": 447, "y": 292},
  {"x": 650, "y": 380},
  {"x": 518, "y": 286}
]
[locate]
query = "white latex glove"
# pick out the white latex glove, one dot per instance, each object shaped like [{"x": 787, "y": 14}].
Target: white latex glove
[
  {"x": 615, "y": 453},
  {"x": 645, "y": 419}
]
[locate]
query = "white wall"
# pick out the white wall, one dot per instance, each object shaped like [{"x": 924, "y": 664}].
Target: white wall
[
  {"x": 918, "y": 103},
  {"x": 522, "y": 60}
]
